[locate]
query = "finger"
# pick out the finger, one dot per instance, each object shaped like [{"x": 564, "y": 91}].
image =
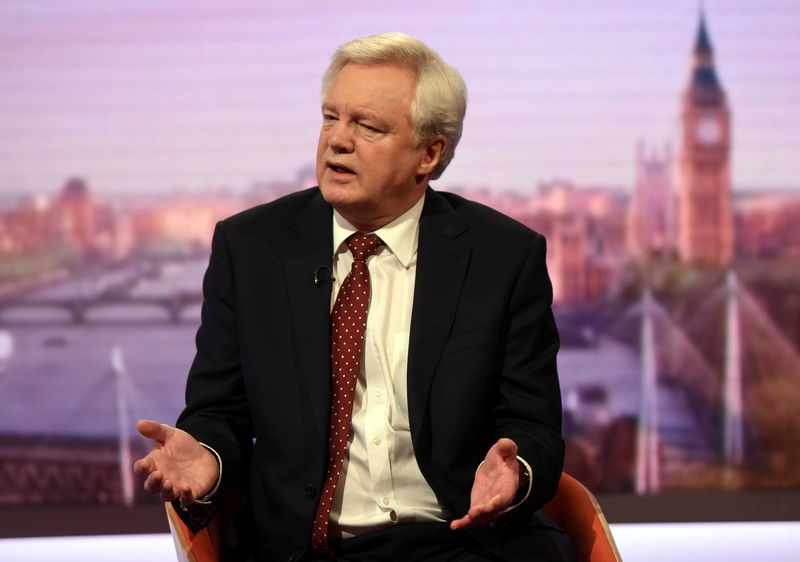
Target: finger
[
  {"x": 482, "y": 519},
  {"x": 153, "y": 483},
  {"x": 471, "y": 519},
  {"x": 458, "y": 524},
  {"x": 167, "y": 491},
  {"x": 470, "y": 522},
  {"x": 490, "y": 506},
  {"x": 482, "y": 510},
  {"x": 145, "y": 466},
  {"x": 154, "y": 430},
  {"x": 187, "y": 497}
]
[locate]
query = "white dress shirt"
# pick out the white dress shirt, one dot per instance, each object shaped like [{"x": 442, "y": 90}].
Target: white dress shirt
[{"x": 380, "y": 483}]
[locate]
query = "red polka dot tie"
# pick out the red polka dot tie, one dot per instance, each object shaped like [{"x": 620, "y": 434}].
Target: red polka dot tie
[{"x": 348, "y": 321}]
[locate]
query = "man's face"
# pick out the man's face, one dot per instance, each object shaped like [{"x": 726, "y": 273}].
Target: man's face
[{"x": 367, "y": 167}]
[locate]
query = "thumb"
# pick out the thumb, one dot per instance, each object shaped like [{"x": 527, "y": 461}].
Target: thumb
[
  {"x": 506, "y": 448},
  {"x": 154, "y": 430}
]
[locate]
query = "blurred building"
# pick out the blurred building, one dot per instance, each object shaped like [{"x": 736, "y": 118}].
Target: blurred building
[
  {"x": 28, "y": 227},
  {"x": 76, "y": 212},
  {"x": 585, "y": 230},
  {"x": 766, "y": 224},
  {"x": 705, "y": 220},
  {"x": 38, "y": 224},
  {"x": 184, "y": 219},
  {"x": 114, "y": 238},
  {"x": 650, "y": 227}
]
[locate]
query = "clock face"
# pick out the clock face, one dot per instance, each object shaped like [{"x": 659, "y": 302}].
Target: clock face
[{"x": 708, "y": 130}]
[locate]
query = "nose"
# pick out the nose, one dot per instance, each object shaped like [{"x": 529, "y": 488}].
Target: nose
[{"x": 340, "y": 137}]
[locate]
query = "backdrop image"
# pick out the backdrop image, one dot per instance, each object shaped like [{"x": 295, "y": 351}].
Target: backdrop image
[{"x": 653, "y": 144}]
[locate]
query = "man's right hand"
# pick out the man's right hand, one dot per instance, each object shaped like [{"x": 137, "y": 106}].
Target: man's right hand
[{"x": 178, "y": 467}]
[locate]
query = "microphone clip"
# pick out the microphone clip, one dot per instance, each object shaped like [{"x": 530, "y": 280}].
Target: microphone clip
[{"x": 322, "y": 274}]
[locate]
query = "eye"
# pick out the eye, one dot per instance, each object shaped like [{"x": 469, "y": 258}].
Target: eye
[
  {"x": 369, "y": 128},
  {"x": 329, "y": 117}
]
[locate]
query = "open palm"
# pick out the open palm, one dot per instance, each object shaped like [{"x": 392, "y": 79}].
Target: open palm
[
  {"x": 494, "y": 487},
  {"x": 178, "y": 466}
]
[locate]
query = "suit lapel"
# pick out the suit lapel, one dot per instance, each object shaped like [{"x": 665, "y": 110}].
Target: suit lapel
[
  {"x": 309, "y": 246},
  {"x": 442, "y": 259}
]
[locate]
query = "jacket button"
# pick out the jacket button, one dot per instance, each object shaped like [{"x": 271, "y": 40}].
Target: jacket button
[{"x": 310, "y": 491}]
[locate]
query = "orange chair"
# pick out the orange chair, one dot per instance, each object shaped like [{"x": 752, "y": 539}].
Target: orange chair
[
  {"x": 202, "y": 546},
  {"x": 576, "y": 509}
]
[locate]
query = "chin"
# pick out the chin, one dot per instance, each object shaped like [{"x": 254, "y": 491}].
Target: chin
[{"x": 339, "y": 194}]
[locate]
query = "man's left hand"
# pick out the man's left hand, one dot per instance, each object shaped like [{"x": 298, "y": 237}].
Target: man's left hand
[{"x": 494, "y": 488}]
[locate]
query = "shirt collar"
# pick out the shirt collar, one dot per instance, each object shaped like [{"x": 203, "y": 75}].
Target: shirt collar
[{"x": 401, "y": 235}]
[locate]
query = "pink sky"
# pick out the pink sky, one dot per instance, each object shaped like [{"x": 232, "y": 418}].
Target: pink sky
[{"x": 151, "y": 95}]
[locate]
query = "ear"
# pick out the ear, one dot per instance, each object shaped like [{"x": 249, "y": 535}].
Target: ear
[{"x": 433, "y": 153}]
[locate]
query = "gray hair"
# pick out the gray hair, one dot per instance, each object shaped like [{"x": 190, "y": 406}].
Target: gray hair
[{"x": 440, "y": 97}]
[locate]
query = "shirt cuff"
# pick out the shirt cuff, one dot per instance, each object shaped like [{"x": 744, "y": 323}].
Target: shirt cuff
[
  {"x": 526, "y": 468},
  {"x": 205, "y": 500}
]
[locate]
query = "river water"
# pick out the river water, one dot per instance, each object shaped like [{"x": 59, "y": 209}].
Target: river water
[{"x": 59, "y": 380}]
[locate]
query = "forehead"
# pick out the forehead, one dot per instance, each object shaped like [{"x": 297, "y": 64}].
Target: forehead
[{"x": 373, "y": 87}]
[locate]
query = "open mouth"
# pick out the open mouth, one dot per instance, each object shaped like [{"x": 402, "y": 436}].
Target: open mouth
[{"x": 339, "y": 169}]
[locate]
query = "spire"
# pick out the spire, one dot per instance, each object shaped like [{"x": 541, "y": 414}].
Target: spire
[
  {"x": 704, "y": 81},
  {"x": 703, "y": 43}
]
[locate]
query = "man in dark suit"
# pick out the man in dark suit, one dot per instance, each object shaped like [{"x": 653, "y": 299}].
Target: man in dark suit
[{"x": 452, "y": 421}]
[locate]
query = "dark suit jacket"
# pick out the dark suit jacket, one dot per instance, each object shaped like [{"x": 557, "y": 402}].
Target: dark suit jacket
[{"x": 482, "y": 362}]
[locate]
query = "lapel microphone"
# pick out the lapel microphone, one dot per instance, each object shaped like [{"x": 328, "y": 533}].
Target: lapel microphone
[{"x": 322, "y": 274}]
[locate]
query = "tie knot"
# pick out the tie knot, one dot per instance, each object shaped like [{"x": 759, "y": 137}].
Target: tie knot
[{"x": 363, "y": 245}]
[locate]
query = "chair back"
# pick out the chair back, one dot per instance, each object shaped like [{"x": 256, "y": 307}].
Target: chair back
[{"x": 576, "y": 509}]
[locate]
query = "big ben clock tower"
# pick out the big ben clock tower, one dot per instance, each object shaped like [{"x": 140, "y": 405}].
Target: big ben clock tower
[{"x": 705, "y": 213}]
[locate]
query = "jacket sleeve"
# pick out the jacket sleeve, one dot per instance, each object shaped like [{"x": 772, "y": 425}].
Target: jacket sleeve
[
  {"x": 528, "y": 408},
  {"x": 216, "y": 412}
]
